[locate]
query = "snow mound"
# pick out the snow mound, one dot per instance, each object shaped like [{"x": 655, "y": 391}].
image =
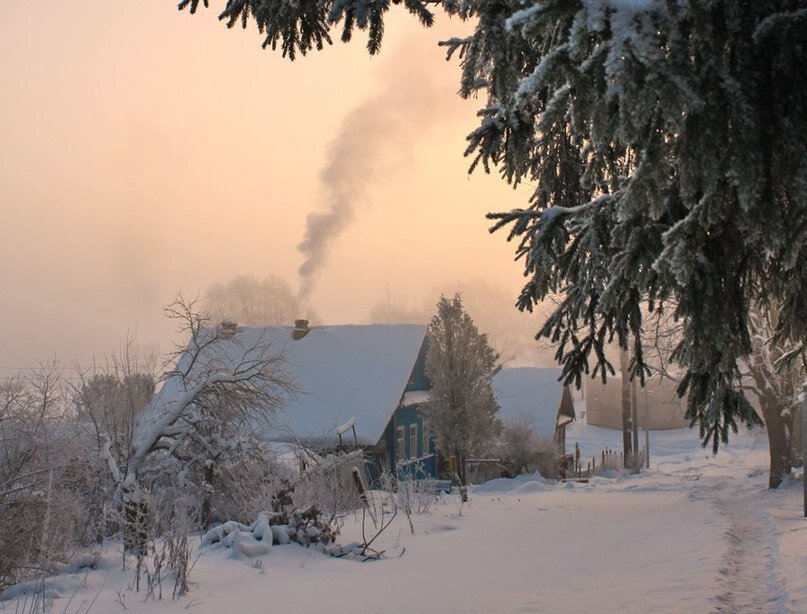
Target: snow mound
[
  {"x": 533, "y": 486},
  {"x": 531, "y": 482}
]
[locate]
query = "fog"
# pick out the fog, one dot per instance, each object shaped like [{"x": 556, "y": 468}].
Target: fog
[{"x": 149, "y": 152}]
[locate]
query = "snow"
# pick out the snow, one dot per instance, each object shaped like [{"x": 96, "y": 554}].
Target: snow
[
  {"x": 415, "y": 397},
  {"x": 695, "y": 533},
  {"x": 344, "y": 427}
]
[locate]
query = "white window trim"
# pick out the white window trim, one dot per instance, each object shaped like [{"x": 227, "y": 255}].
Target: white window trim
[{"x": 400, "y": 442}]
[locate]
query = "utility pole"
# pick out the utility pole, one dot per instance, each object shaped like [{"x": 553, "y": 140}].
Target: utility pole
[
  {"x": 804, "y": 441},
  {"x": 626, "y": 407},
  {"x": 634, "y": 416}
]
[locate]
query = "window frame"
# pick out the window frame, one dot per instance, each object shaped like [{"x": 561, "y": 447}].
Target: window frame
[{"x": 413, "y": 440}]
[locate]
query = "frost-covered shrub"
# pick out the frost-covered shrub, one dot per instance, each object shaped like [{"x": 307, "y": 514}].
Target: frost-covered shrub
[
  {"x": 155, "y": 527},
  {"x": 416, "y": 496},
  {"x": 89, "y": 482},
  {"x": 237, "y": 486},
  {"x": 521, "y": 450},
  {"x": 636, "y": 462},
  {"x": 329, "y": 484},
  {"x": 41, "y": 513},
  {"x": 39, "y": 533},
  {"x": 247, "y": 486}
]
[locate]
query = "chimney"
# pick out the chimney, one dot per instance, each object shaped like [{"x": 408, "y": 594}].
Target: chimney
[
  {"x": 227, "y": 329},
  {"x": 300, "y": 329}
]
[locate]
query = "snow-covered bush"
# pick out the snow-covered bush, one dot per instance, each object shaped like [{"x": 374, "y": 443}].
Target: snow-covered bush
[
  {"x": 40, "y": 532},
  {"x": 416, "y": 496},
  {"x": 329, "y": 484},
  {"x": 249, "y": 483},
  {"x": 41, "y": 515},
  {"x": 635, "y": 462},
  {"x": 307, "y": 527},
  {"x": 521, "y": 450},
  {"x": 155, "y": 527}
]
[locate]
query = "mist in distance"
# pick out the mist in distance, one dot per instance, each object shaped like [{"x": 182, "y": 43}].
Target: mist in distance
[{"x": 148, "y": 153}]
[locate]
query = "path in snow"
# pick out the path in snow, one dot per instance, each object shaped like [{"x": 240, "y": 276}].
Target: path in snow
[{"x": 749, "y": 576}]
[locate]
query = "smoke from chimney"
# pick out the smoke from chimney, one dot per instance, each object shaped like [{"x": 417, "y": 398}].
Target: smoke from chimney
[{"x": 374, "y": 141}]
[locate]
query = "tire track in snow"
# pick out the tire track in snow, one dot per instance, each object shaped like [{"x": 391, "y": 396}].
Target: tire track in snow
[{"x": 748, "y": 578}]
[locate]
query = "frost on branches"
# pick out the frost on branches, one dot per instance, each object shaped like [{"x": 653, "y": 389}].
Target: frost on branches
[
  {"x": 460, "y": 365},
  {"x": 218, "y": 392}
]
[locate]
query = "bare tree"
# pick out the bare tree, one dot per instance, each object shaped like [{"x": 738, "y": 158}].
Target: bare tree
[
  {"x": 253, "y": 302},
  {"x": 768, "y": 377},
  {"x": 32, "y": 414},
  {"x": 220, "y": 385},
  {"x": 460, "y": 365},
  {"x": 111, "y": 395},
  {"x": 394, "y": 309},
  {"x": 777, "y": 391},
  {"x": 38, "y": 515}
]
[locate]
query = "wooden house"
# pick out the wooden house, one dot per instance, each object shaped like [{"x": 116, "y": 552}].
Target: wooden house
[
  {"x": 658, "y": 404},
  {"x": 365, "y": 387}
]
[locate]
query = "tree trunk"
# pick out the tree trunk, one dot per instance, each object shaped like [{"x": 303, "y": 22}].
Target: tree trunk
[
  {"x": 460, "y": 456},
  {"x": 779, "y": 439},
  {"x": 135, "y": 525},
  {"x": 206, "y": 510},
  {"x": 797, "y": 437}
]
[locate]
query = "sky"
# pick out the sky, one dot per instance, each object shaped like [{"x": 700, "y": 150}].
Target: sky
[{"x": 148, "y": 151}]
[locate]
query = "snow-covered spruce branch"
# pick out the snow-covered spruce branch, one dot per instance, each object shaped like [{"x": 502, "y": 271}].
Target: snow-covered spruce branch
[
  {"x": 551, "y": 213},
  {"x": 522, "y": 218},
  {"x": 299, "y": 26},
  {"x": 781, "y": 21}
]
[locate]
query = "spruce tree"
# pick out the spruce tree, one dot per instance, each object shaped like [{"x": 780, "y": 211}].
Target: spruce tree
[{"x": 666, "y": 141}]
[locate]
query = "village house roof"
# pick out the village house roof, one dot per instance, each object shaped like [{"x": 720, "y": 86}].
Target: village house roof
[
  {"x": 342, "y": 373},
  {"x": 531, "y": 394}
]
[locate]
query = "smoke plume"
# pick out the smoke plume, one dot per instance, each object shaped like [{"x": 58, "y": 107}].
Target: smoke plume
[{"x": 375, "y": 140}]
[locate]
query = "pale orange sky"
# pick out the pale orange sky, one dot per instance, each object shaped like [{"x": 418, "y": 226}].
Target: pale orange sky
[{"x": 147, "y": 151}]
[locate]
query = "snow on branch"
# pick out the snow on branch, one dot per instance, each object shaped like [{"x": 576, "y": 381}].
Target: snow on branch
[{"x": 522, "y": 217}]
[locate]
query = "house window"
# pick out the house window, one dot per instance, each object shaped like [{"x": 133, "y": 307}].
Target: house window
[
  {"x": 399, "y": 443},
  {"x": 413, "y": 440}
]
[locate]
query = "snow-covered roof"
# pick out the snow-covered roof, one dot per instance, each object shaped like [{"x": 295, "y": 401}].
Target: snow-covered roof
[
  {"x": 415, "y": 397},
  {"x": 342, "y": 373},
  {"x": 529, "y": 393}
]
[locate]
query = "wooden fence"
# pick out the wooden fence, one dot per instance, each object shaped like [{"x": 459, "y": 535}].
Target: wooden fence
[{"x": 607, "y": 460}]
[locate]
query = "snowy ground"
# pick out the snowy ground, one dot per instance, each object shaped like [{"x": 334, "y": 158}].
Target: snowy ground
[{"x": 695, "y": 533}]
